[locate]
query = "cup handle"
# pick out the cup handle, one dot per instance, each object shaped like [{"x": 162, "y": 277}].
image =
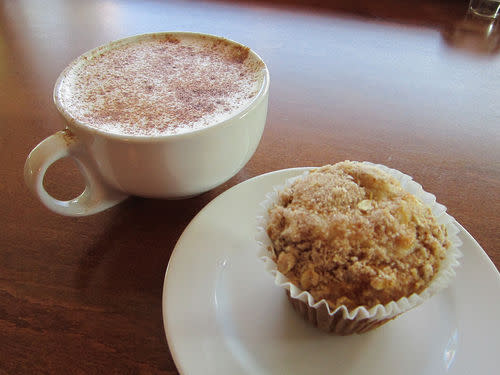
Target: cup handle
[{"x": 96, "y": 197}]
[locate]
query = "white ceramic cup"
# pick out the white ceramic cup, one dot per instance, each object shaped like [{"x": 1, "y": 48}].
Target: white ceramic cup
[{"x": 175, "y": 166}]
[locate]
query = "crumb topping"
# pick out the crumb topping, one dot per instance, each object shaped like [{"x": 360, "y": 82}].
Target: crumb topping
[{"x": 349, "y": 233}]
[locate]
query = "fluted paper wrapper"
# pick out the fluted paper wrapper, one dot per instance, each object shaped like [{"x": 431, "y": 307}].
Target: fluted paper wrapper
[{"x": 342, "y": 321}]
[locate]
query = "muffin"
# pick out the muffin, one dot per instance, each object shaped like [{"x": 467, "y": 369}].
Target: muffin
[{"x": 354, "y": 248}]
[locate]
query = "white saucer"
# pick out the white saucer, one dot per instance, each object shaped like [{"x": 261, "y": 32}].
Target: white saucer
[{"x": 223, "y": 314}]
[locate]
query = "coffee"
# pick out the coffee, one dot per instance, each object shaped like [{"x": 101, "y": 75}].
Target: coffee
[{"x": 161, "y": 85}]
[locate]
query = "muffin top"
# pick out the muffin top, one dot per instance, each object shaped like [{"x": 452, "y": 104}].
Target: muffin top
[{"x": 350, "y": 234}]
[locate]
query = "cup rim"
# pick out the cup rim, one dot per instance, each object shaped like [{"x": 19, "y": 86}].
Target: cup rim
[{"x": 263, "y": 90}]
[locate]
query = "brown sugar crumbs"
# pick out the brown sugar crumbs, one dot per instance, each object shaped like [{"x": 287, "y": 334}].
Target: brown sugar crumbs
[{"x": 350, "y": 234}]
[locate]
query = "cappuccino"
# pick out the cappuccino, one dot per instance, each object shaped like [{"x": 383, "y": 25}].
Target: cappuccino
[{"x": 161, "y": 84}]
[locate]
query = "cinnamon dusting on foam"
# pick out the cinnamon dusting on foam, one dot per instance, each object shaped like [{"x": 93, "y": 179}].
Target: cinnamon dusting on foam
[{"x": 162, "y": 85}]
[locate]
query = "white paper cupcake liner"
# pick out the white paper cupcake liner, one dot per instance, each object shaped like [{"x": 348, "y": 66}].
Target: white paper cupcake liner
[{"x": 360, "y": 319}]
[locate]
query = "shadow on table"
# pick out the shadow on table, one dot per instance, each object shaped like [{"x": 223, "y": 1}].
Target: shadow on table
[
  {"x": 135, "y": 250},
  {"x": 462, "y": 31},
  {"x": 429, "y": 13},
  {"x": 132, "y": 255}
]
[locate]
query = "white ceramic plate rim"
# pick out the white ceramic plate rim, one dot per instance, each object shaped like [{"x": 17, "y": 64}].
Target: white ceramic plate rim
[{"x": 176, "y": 301}]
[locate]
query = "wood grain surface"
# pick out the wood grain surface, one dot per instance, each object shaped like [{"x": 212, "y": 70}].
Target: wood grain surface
[{"x": 398, "y": 82}]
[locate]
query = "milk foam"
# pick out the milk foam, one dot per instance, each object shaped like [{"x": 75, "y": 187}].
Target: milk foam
[{"x": 160, "y": 86}]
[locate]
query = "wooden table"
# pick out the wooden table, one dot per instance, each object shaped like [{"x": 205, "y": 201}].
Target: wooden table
[{"x": 390, "y": 81}]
